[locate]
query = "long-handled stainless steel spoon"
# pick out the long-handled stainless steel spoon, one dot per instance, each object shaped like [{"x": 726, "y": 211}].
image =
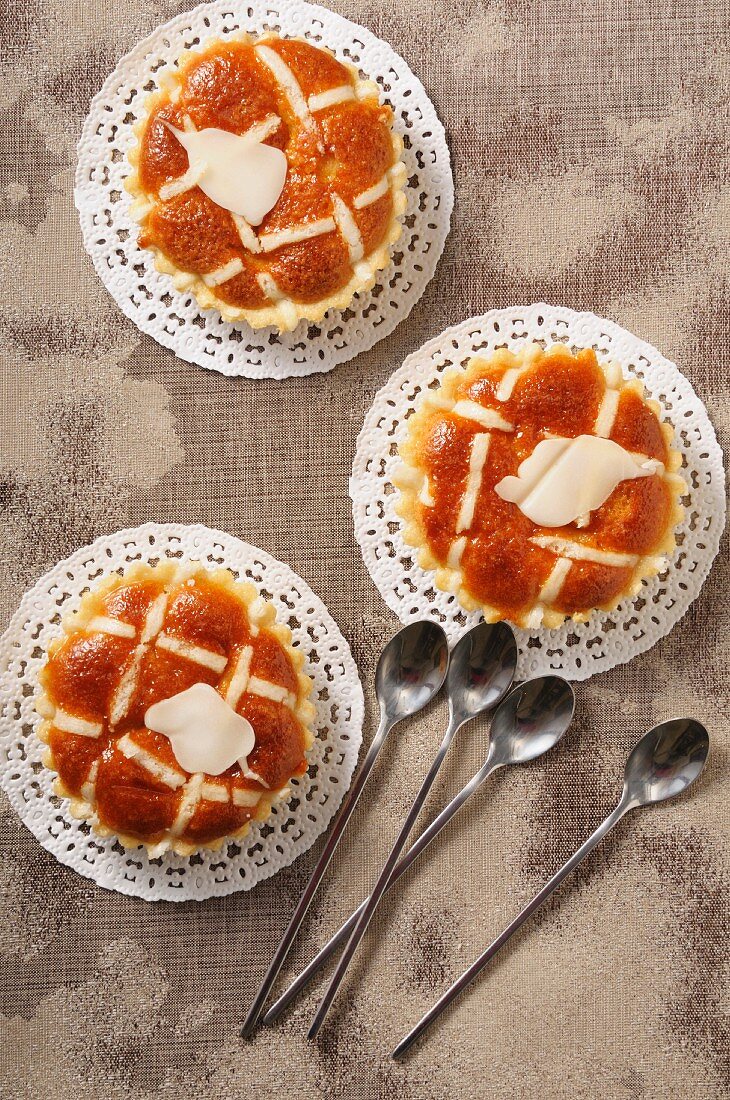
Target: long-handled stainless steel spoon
[
  {"x": 526, "y": 724},
  {"x": 481, "y": 671},
  {"x": 411, "y": 671},
  {"x": 663, "y": 764}
]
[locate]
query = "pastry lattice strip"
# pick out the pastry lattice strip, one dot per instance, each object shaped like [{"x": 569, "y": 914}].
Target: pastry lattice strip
[
  {"x": 418, "y": 481},
  {"x": 151, "y": 635},
  {"x": 341, "y": 220}
]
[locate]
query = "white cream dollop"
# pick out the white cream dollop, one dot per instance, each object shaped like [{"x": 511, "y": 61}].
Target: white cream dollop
[
  {"x": 565, "y": 479},
  {"x": 239, "y": 172},
  {"x": 206, "y": 734}
]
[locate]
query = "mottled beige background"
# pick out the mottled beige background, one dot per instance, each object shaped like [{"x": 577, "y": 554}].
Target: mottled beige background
[{"x": 591, "y": 146}]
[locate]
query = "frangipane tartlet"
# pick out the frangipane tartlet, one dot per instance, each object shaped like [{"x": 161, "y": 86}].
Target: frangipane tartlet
[
  {"x": 173, "y": 632},
  {"x": 465, "y": 466},
  {"x": 329, "y": 230}
]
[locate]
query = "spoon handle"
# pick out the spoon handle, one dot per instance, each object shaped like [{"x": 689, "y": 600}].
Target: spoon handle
[
  {"x": 305, "y": 900},
  {"x": 344, "y": 932},
  {"x": 478, "y": 965},
  {"x": 381, "y": 885}
]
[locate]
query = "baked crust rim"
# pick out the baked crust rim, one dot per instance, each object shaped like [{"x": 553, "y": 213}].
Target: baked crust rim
[
  {"x": 409, "y": 475},
  {"x": 171, "y": 573},
  {"x": 287, "y": 314}
]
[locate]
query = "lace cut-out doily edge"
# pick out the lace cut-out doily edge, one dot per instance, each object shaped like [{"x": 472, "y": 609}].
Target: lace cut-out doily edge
[
  {"x": 211, "y": 873},
  {"x": 541, "y": 651},
  {"x": 238, "y": 350}
]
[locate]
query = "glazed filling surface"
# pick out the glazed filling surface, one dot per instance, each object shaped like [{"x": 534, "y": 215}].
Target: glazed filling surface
[
  {"x": 339, "y": 150},
  {"x": 506, "y": 561},
  {"x": 193, "y": 632}
]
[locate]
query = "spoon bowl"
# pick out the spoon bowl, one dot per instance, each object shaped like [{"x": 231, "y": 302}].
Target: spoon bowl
[
  {"x": 531, "y": 720},
  {"x": 666, "y": 761},
  {"x": 411, "y": 669},
  {"x": 480, "y": 673},
  {"x": 516, "y": 741},
  {"x": 410, "y": 672},
  {"x": 481, "y": 670}
]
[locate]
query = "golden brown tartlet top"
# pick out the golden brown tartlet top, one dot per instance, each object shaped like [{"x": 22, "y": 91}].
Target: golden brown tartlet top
[
  {"x": 502, "y": 563},
  {"x": 145, "y": 637},
  {"x": 344, "y": 181}
]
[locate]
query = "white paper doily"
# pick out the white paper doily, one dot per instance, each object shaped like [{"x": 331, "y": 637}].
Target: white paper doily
[
  {"x": 293, "y": 826},
  {"x": 173, "y": 318},
  {"x": 577, "y": 650}
]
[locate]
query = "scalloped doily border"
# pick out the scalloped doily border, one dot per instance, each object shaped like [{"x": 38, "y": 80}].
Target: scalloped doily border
[
  {"x": 576, "y": 650},
  {"x": 175, "y": 319},
  {"x": 269, "y": 846}
]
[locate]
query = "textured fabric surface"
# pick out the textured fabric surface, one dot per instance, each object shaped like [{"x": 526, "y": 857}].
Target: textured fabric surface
[{"x": 591, "y": 146}]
